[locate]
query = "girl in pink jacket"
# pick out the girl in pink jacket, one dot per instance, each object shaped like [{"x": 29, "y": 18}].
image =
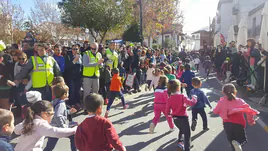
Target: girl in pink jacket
[
  {"x": 160, "y": 101},
  {"x": 232, "y": 110}
]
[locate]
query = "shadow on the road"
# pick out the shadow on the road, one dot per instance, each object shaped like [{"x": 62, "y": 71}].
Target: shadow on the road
[
  {"x": 198, "y": 135},
  {"x": 219, "y": 143},
  {"x": 144, "y": 95},
  {"x": 169, "y": 146},
  {"x": 212, "y": 114},
  {"x": 139, "y": 146},
  {"x": 136, "y": 129},
  {"x": 147, "y": 109},
  {"x": 115, "y": 114}
]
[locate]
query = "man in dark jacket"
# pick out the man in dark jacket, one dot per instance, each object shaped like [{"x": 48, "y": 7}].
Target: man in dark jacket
[{"x": 73, "y": 68}]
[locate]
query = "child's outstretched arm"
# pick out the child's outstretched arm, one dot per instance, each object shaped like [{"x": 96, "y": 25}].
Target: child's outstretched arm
[
  {"x": 206, "y": 100},
  {"x": 189, "y": 102}
]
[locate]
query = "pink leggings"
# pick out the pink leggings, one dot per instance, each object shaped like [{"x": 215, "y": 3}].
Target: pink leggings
[{"x": 158, "y": 108}]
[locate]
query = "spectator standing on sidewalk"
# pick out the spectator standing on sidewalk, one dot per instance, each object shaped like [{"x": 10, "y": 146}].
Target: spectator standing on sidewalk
[
  {"x": 43, "y": 69},
  {"x": 92, "y": 61},
  {"x": 112, "y": 56},
  {"x": 59, "y": 58},
  {"x": 74, "y": 68}
]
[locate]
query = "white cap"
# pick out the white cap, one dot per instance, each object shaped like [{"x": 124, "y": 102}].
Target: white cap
[{"x": 33, "y": 96}]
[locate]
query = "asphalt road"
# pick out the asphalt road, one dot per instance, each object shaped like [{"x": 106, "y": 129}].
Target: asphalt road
[{"x": 132, "y": 126}]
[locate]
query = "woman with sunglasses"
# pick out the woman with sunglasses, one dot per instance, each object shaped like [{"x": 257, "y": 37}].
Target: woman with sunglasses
[{"x": 25, "y": 84}]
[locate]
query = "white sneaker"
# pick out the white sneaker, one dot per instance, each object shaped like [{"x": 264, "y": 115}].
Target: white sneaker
[
  {"x": 151, "y": 129},
  {"x": 237, "y": 146},
  {"x": 172, "y": 129}
]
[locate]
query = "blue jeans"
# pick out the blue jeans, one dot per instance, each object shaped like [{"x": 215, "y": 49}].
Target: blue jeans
[
  {"x": 51, "y": 143},
  {"x": 74, "y": 89},
  {"x": 203, "y": 115},
  {"x": 112, "y": 96}
]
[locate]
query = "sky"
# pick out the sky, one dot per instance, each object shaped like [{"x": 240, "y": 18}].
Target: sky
[{"x": 196, "y": 12}]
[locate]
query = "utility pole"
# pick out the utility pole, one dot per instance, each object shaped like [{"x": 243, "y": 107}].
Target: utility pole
[{"x": 141, "y": 33}]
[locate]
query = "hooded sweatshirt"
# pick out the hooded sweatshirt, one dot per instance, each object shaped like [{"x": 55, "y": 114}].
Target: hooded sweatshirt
[{"x": 233, "y": 111}]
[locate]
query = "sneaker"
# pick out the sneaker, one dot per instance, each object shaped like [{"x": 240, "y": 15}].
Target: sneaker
[
  {"x": 193, "y": 125},
  {"x": 237, "y": 145},
  {"x": 152, "y": 126},
  {"x": 181, "y": 146},
  {"x": 171, "y": 129},
  {"x": 106, "y": 114},
  {"x": 206, "y": 129},
  {"x": 126, "y": 106},
  {"x": 139, "y": 90},
  {"x": 135, "y": 91}
]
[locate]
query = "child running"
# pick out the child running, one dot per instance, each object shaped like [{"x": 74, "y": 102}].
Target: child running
[
  {"x": 199, "y": 107},
  {"x": 176, "y": 104},
  {"x": 168, "y": 73},
  {"x": 187, "y": 77},
  {"x": 160, "y": 101},
  {"x": 231, "y": 109},
  {"x": 7, "y": 128},
  {"x": 96, "y": 133},
  {"x": 36, "y": 127},
  {"x": 115, "y": 90},
  {"x": 207, "y": 65},
  {"x": 149, "y": 76},
  {"x": 60, "y": 118},
  {"x": 156, "y": 76}
]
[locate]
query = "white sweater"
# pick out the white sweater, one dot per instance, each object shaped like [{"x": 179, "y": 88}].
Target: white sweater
[
  {"x": 35, "y": 141},
  {"x": 149, "y": 74},
  {"x": 154, "y": 82}
]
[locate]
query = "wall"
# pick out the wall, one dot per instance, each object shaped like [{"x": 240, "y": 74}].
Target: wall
[
  {"x": 257, "y": 29},
  {"x": 225, "y": 11},
  {"x": 196, "y": 40}
]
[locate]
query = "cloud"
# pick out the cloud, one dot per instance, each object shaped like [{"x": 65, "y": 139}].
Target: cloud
[{"x": 197, "y": 13}]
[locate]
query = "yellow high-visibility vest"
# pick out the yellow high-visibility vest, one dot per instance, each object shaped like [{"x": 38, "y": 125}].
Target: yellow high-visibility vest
[
  {"x": 42, "y": 73},
  {"x": 91, "y": 71},
  {"x": 112, "y": 61}
]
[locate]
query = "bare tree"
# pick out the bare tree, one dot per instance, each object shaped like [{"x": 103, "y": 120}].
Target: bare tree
[
  {"x": 45, "y": 21},
  {"x": 11, "y": 21}
]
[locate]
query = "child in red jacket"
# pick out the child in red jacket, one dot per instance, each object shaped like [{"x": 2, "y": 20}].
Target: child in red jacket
[
  {"x": 176, "y": 103},
  {"x": 160, "y": 101},
  {"x": 232, "y": 109},
  {"x": 96, "y": 133}
]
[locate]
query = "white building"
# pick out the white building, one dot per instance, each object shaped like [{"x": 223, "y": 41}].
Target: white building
[
  {"x": 238, "y": 9},
  {"x": 254, "y": 22}
]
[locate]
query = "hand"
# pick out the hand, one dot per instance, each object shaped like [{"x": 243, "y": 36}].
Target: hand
[
  {"x": 253, "y": 123},
  {"x": 184, "y": 84},
  {"x": 194, "y": 97},
  {"x": 210, "y": 107},
  {"x": 11, "y": 83},
  {"x": 100, "y": 61},
  {"x": 73, "y": 110}
]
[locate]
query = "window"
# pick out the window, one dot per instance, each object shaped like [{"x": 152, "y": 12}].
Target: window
[
  {"x": 197, "y": 36},
  {"x": 193, "y": 36},
  {"x": 254, "y": 29}
]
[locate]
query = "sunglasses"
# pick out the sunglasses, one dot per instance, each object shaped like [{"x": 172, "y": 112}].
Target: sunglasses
[
  {"x": 50, "y": 113},
  {"x": 22, "y": 59},
  {"x": 75, "y": 48},
  {"x": 93, "y": 48}
]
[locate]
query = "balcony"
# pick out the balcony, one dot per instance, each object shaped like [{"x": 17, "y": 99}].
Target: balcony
[{"x": 235, "y": 10}]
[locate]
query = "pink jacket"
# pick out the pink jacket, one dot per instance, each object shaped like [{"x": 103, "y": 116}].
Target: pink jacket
[
  {"x": 177, "y": 103},
  {"x": 233, "y": 111},
  {"x": 160, "y": 96}
]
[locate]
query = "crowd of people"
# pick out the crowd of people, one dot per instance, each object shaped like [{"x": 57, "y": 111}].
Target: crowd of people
[{"x": 87, "y": 77}]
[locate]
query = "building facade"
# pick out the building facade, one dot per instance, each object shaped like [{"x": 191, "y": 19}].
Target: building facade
[
  {"x": 201, "y": 39},
  {"x": 238, "y": 9}
]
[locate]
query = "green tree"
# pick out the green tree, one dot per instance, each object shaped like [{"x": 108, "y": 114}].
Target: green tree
[
  {"x": 169, "y": 43},
  {"x": 99, "y": 16},
  {"x": 132, "y": 33}
]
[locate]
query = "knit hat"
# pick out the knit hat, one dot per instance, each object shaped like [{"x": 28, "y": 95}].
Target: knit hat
[{"x": 33, "y": 96}]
